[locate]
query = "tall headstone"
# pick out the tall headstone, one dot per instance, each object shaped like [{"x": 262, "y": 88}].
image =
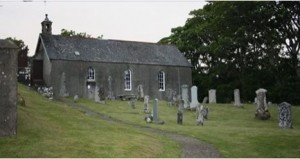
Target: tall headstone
[
  {"x": 194, "y": 94},
  {"x": 262, "y": 111},
  {"x": 155, "y": 111},
  {"x": 140, "y": 91},
  {"x": 180, "y": 112},
  {"x": 185, "y": 95},
  {"x": 237, "y": 99},
  {"x": 8, "y": 88},
  {"x": 146, "y": 103},
  {"x": 200, "y": 117},
  {"x": 212, "y": 96},
  {"x": 63, "y": 90},
  {"x": 97, "y": 95},
  {"x": 110, "y": 92},
  {"x": 285, "y": 115}
]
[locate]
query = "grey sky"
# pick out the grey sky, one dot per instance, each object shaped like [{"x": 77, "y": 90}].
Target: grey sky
[{"x": 134, "y": 20}]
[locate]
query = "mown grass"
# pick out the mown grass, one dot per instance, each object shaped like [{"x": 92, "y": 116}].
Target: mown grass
[
  {"x": 50, "y": 129},
  {"x": 234, "y": 131}
]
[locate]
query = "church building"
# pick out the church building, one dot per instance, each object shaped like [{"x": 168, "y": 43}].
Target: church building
[{"x": 114, "y": 68}]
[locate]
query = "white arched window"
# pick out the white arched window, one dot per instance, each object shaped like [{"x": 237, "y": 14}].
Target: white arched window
[
  {"x": 91, "y": 74},
  {"x": 127, "y": 80},
  {"x": 161, "y": 81}
]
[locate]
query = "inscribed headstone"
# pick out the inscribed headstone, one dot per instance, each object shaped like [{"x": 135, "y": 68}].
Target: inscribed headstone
[
  {"x": 110, "y": 92},
  {"x": 285, "y": 115},
  {"x": 97, "y": 96},
  {"x": 212, "y": 96}
]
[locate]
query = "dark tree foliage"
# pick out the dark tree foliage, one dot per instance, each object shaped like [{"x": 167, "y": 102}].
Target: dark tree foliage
[
  {"x": 244, "y": 45},
  {"x": 71, "y": 33}
]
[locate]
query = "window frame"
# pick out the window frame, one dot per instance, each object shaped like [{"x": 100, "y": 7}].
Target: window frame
[
  {"x": 161, "y": 78},
  {"x": 127, "y": 80},
  {"x": 91, "y": 74}
]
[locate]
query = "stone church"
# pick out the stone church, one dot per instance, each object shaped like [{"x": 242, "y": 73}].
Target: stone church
[{"x": 81, "y": 66}]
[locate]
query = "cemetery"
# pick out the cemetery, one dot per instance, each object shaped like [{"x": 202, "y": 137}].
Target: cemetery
[{"x": 225, "y": 125}]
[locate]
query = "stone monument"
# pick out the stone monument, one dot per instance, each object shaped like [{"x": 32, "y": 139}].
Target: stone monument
[
  {"x": 237, "y": 99},
  {"x": 212, "y": 96},
  {"x": 185, "y": 95},
  {"x": 8, "y": 88},
  {"x": 262, "y": 111},
  {"x": 285, "y": 115},
  {"x": 194, "y": 101},
  {"x": 146, "y": 103}
]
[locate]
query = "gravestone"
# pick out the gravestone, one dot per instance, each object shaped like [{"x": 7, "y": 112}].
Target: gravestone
[
  {"x": 262, "y": 111},
  {"x": 97, "y": 96},
  {"x": 185, "y": 95},
  {"x": 205, "y": 112},
  {"x": 146, "y": 103},
  {"x": 132, "y": 103},
  {"x": 204, "y": 100},
  {"x": 155, "y": 111},
  {"x": 285, "y": 115},
  {"x": 8, "y": 88},
  {"x": 212, "y": 96},
  {"x": 140, "y": 91},
  {"x": 76, "y": 98},
  {"x": 194, "y": 94},
  {"x": 180, "y": 112},
  {"x": 110, "y": 92},
  {"x": 237, "y": 99},
  {"x": 63, "y": 90},
  {"x": 200, "y": 117}
]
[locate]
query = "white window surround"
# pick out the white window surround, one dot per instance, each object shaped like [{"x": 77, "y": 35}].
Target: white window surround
[
  {"x": 161, "y": 81},
  {"x": 127, "y": 80}
]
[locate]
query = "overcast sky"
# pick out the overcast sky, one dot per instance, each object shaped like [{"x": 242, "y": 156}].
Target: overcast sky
[{"x": 133, "y": 20}]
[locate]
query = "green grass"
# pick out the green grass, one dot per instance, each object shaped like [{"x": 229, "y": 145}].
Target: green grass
[
  {"x": 47, "y": 128},
  {"x": 234, "y": 131}
]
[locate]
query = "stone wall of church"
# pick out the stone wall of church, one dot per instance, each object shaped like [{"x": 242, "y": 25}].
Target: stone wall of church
[{"x": 110, "y": 78}]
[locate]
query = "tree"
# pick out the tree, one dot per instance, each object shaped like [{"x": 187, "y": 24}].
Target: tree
[{"x": 231, "y": 47}]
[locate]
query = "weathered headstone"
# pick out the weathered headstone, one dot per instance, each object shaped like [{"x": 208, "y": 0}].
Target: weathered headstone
[
  {"x": 185, "y": 95},
  {"x": 63, "y": 90},
  {"x": 155, "y": 111},
  {"x": 237, "y": 99},
  {"x": 285, "y": 115},
  {"x": 76, "y": 98},
  {"x": 97, "y": 96},
  {"x": 8, "y": 88},
  {"x": 204, "y": 100},
  {"x": 200, "y": 117},
  {"x": 194, "y": 94},
  {"x": 140, "y": 91},
  {"x": 146, "y": 103},
  {"x": 262, "y": 111},
  {"x": 110, "y": 92},
  {"x": 212, "y": 96},
  {"x": 205, "y": 112},
  {"x": 180, "y": 112},
  {"x": 132, "y": 103}
]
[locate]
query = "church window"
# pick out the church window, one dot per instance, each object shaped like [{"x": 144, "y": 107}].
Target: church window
[
  {"x": 127, "y": 80},
  {"x": 91, "y": 74},
  {"x": 161, "y": 81}
]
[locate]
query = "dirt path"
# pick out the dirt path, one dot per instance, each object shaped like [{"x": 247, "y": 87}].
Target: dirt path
[{"x": 191, "y": 147}]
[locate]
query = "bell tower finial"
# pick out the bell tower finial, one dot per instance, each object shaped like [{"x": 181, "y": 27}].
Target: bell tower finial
[{"x": 46, "y": 25}]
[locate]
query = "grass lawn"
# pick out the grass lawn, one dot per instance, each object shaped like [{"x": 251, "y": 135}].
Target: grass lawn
[
  {"x": 234, "y": 131},
  {"x": 49, "y": 129}
]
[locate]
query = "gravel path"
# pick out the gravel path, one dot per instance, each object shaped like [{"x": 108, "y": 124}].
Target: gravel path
[{"x": 191, "y": 147}]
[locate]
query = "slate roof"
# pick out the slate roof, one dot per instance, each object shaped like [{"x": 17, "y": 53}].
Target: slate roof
[
  {"x": 98, "y": 50},
  {"x": 7, "y": 44}
]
